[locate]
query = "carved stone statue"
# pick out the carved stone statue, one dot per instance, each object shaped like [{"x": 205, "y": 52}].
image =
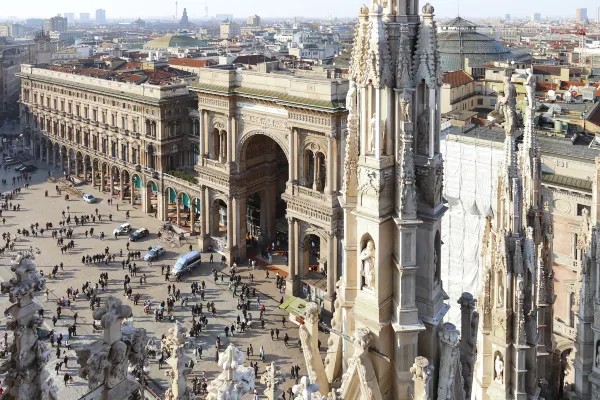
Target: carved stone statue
[
  {"x": 367, "y": 256},
  {"x": 499, "y": 369},
  {"x": 530, "y": 84},
  {"x": 174, "y": 343},
  {"x": 271, "y": 379},
  {"x": 500, "y": 302},
  {"x": 598, "y": 354},
  {"x": 351, "y": 98},
  {"x": 28, "y": 356},
  {"x": 235, "y": 380},
  {"x": 372, "y": 133},
  {"x": 104, "y": 362},
  {"x": 509, "y": 103},
  {"x": 405, "y": 99},
  {"x": 423, "y": 133},
  {"x": 304, "y": 390}
]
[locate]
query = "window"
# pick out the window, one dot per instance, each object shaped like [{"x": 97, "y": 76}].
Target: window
[
  {"x": 479, "y": 102},
  {"x": 62, "y": 105},
  {"x": 70, "y": 106},
  {"x": 124, "y": 122},
  {"x": 95, "y": 115},
  {"x": 493, "y": 102},
  {"x": 77, "y": 110},
  {"x": 581, "y": 207},
  {"x": 135, "y": 125}
]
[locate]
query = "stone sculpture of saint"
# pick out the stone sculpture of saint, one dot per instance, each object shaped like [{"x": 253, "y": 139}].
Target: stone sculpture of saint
[
  {"x": 500, "y": 296},
  {"x": 509, "y": 102},
  {"x": 405, "y": 106},
  {"x": 530, "y": 87},
  {"x": 351, "y": 98},
  {"x": 367, "y": 256},
  {"x": 499, "y": 368},
  {"x": 372, "y": 133}
]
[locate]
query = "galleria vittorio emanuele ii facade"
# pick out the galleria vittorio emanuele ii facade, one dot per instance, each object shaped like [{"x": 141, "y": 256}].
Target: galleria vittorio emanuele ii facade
[{"x": 349, "y": 166}]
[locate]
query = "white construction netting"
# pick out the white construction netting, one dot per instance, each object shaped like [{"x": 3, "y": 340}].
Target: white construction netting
[{"x": 470, "y": 171}]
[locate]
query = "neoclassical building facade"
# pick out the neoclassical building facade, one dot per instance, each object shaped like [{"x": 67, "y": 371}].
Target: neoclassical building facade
[
  {"x": 237, "y": 143},
  {"x": 275, "y": 140}
]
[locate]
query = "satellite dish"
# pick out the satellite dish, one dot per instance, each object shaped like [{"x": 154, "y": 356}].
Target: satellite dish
[{"x": 551, "y": 93}]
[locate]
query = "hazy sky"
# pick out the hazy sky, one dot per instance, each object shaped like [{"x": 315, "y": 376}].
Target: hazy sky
[{"x": 283, "y": 8}]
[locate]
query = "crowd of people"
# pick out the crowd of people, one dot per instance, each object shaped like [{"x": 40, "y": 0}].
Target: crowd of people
[{"x": 204, "y": 320}]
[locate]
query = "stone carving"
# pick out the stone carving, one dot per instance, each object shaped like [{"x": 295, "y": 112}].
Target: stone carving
[
  {"x": 370, "y": 182},
  {"x": 422, "y": 374},
  {"x": 423, "y": 133},
  {"x": 429, "y": 182},
  {"x": 405, "y": 100},
  {"x": 367, "y": 256},
  {"x": 174, "y": 344},
  {"x": 404, "y": 65},
  {"x": 450, "y": 383},
  {"x": 308, "y": 333},
  {"x": 509, "y": 103},
  {"x": 350, "y": 177},
  {"x": 271, "y": 379},
  {"x": 499, "y": 369},
  {"x": 351, "y": 98},
  {"x": 333, "y": 360},
  {"x": 408, "y": 194},
  {"x": 530, "y": 84},
  {"x": 427, "y": 59},
  {"x": 23, "y": 370},
  {"x": 372, "y": 133},
  {"x": 235, "y": 380},
  {"x": 104, "y": 362},
  {"x": 378, "y": 59},
  {"x": 305, "y": 390}
]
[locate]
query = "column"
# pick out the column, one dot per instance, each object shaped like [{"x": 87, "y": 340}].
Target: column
[
  {"x": 292, "y": 160},
  {"x": 192, "y": 214},
  {"x": 231, "y": 140},
  {"x": 598, "y": 281},
  {"x": 111, "y": 183},
  {"x": 84, "y": 171},
  {"x": 330, "y": 273},
  {"x": 330, "y": 166},
  {"x": 132, "y": 187},
  {"x": 47, "y": 154},
  {"x": 221, "y": 145},
  {"x": 377, "y": 150},
  {"x": 177, "y": 213},
  {"x": 315, "y": 171},
  {"x": 122, "y": 184},
  {"x": 230, "y": 225},
  {"x": 292, "y": 261},
  {"x": 202, "y": 138},
  {"x": 203, "y": 212},
  {"x": 241, "y": 227},
  {"x": 41, "y": 153},
  {"x": 432, "y": 127},
  {"x": 364, "y": 121}
]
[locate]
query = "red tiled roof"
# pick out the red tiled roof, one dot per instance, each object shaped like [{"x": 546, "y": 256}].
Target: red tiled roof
[
  {"x": 456, "y": 78},
  {"x": 565, "y": 85},
  {"x": 594, "y": 115},
  {"x": 545, "y": 86},
  {"x": 189, "y": 62},
  {"x": 546, "y": 70},
  {"x": 131, "y": 65},
  {"x": 133, "y": 78}
]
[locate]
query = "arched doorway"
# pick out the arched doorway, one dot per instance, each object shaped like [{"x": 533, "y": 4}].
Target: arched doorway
[
  {"x": 263, "y": 208},
  {"x": 171, "y": 206},
  {"x": 136, "y": 190},
  {"x": 152, "y": 197},
  {"x": 115, "y": 180},
  {"x": 125, "y": 193}
]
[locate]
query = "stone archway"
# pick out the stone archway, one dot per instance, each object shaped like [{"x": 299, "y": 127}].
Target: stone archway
[
  {"x": 151, "y": 195},
  {"x": 245, "y": 139}
]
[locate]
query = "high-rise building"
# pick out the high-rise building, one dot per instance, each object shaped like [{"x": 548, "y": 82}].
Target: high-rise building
[
  {"x": 536, "y": 17},
  {"x": 100, "y": 16},
  {"x": 84, "y": 18},
  {"x": 507, "y": 17},
  {"x": 70, "y": 18},
  {"x": 55, "y": 24},
  {"x": 253, "y": 20},
  {"x": 229, "y": 29},
  {"x": 581, "y": 15}
]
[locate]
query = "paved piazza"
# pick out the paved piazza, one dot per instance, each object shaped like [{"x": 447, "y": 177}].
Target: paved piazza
[{"x": 35, "y": 208}]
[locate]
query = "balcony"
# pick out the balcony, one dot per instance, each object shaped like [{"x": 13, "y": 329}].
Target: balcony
[
  {"x": 564, "y": 330},
  {"x": 465, "y": 97}
]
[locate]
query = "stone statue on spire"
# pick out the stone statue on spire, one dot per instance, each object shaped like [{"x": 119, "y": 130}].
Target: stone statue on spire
[{"x": 509, "y": 104}]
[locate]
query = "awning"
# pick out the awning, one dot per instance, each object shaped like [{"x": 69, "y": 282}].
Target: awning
[{"x": 294, "y": 305}]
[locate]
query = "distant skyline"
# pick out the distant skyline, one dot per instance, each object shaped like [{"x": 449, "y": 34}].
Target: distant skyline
[{"x": 117, "y": 9}]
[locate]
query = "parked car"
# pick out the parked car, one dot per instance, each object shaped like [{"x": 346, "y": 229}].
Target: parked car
[
  {"x": 138, "y": 234},
  {"x": 154, "y": 253},
  {"x": 20, "y": 167},
  {"x": 89, "y": 198},
  {"x": 30, "y": 168},
  {"x": 122, "y": 229}
]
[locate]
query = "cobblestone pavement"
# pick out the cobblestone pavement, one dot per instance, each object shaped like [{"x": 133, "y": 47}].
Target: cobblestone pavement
[{"x": 35, "y": 208}]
